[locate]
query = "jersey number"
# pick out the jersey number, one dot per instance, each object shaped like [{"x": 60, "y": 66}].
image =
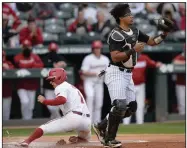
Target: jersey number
[{"x": 82, "y": 99}]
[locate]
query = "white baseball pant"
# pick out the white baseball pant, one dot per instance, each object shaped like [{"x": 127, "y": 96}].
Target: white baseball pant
[
  {"x": 120, "y": 84},
  {"x": 140, "y": 99},
  {"x": 6, "y": 107},
  {"x": 94, "y": 98},
  {"x": 54, "y": 110},
  {"x": 69, "y": 122},
  {"x": 180, "y": 92},
  {"x": 27, "y": 100}
]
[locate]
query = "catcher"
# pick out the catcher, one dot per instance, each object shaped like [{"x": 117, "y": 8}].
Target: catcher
[
  {"x": 71, "y": 102},
  {"x": 125, "y": 41}
]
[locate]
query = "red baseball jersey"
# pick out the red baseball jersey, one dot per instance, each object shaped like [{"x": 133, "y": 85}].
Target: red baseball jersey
[
  {"x": 33, "y": 61},
  {"x": 143, "y": 62},
  {"x": 181, "y": 78},
  {"x": 9, "y": 12},
  {"x": 25, "y": 34},
  {"x": 7, "y": 84}
]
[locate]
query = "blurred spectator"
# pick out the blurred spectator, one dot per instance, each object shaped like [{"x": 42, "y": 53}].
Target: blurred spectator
[
  {"x": 182, "y": 11},
  {"x": 27, "y": 87},
  {"x": 137, "y": 8},
  {"x": 104, "y": 7},
  {"x": 24, "y": 7},
  {"x": 169, "y": 15},
  {"x": 44, "y": 10},
  {"x": 7, "y": 31},
  {"x": 172, "y": 7},
  {"x": 139, "y": 78},
  {"x": 89, "y": 13},
  {"x": 13, "y": 6},
  {"x": 79, "y": 26},
  {"x": 6, "y": 89},
  {"x": 151, "y": 7},
  {"x": 31, "y": 33},
  {"x": 102, "y": 26},
  {"x": 50, "y": 60},
  {"x": 181, "y": 83},
  {"x": 92, "y": 65},
  {"x": 7, "y": 10}
]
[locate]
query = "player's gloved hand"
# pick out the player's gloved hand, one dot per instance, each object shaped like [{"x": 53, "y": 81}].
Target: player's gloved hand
[
  {"x": 139, "y": 46},
  {"x": 165, "y": 24},
  {"x": 41, "y": 98}
]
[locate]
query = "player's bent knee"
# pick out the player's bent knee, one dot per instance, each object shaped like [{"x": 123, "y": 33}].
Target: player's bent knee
[{"x": 119, "y": 107}]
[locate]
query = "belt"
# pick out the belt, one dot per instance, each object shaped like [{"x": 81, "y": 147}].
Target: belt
[
  {"x": 79, "y": 113},
  {"x": 128, "y": 70}
]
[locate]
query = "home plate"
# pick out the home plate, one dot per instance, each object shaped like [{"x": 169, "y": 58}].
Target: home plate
[{"x": 52, "y": 144}]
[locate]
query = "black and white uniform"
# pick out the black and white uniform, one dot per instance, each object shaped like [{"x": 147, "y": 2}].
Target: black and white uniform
[{"x": 118, "y": 76}]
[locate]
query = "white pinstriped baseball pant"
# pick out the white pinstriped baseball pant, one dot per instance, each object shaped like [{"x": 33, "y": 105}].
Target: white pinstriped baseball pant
[{"x": 120, "y": 84}]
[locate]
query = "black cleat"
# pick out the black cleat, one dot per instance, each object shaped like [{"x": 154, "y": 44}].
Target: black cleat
[{"x": 112, "y": 144}]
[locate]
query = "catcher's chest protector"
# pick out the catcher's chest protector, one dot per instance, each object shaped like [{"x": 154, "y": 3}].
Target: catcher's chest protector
[{"x": 128, "y": 40}]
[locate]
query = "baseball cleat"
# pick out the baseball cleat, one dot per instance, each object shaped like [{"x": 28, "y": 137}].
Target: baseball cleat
[{"x": 112, "y": 144}]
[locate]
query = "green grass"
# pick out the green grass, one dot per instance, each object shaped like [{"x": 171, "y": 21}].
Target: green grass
[{"x": 149, "y": 128}]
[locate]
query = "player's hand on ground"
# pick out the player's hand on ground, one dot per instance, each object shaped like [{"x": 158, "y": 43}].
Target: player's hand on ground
[
  {"x": 139, "y": 46},
  {"x": 41, "y": 98},
  {"x": 61, "y": 142}
]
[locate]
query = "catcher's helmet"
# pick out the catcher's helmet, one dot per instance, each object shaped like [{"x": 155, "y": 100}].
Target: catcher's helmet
[
  {"x": 57, "y": 75},
  {"x": 53, "y": 47},
  {"x": 97, "y": 44}
]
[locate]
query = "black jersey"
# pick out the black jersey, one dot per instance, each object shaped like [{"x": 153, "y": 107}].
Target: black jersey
[{"x": 120, "y": 40}]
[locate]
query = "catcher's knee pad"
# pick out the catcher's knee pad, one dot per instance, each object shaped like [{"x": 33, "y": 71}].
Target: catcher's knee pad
[
  {"x": 119, "y": 107},
  {"x": 132, "y": 107}
]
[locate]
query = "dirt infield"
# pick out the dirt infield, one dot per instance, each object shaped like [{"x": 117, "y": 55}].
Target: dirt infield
[{"x": 128, "y": 140}]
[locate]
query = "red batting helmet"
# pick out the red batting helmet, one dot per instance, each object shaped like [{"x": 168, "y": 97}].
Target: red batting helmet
[
  {"x": 53, "y": 47},
  {"x": 57, "y": 75},
  {"x": 97, "y": 44}
]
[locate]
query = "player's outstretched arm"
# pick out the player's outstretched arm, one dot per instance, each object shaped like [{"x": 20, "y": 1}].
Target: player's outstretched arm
[{"x": 52, "y": 102}]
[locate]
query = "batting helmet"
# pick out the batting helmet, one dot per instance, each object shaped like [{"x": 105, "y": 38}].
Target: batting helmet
[
  {"x": 57, "y": 75},
  {"x": 53, "y": 47},
  {"x": 97, "y": 44}
]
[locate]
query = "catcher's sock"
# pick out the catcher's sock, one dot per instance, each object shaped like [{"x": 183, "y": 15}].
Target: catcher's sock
[{"x": 35, "y": 135}]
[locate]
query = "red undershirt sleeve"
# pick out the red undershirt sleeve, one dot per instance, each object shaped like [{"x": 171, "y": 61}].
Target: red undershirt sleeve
[{"x": 57, "y": 101}]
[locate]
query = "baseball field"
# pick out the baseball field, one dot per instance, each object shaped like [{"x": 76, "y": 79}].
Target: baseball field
[{"x": 149, "y": 135}]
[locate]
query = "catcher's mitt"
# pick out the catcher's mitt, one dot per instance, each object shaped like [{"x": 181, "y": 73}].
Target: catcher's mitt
[{"x": 165, "y": 24}]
